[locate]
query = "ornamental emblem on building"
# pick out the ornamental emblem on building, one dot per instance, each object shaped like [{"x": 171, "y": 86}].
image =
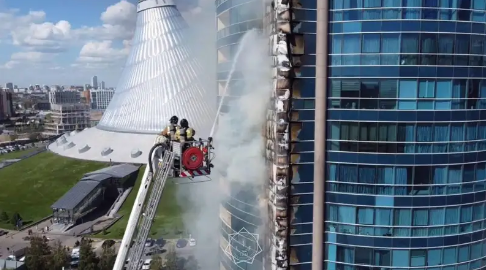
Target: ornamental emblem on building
[{"x": 243, "y": 246}]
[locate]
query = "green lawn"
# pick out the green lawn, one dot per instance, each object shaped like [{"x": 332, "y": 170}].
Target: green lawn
[
  {"x": 17, "y": 154},
  {"x": 31, "y": 186},
  {"x": 168, "y": 221}
]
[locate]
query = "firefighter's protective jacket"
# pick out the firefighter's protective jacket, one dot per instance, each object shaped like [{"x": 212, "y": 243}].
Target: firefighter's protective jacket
[
  {"x": 166, "y": 131},
  {"x": 190, "y": 132}
]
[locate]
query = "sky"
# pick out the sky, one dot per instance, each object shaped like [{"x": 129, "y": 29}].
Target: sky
[{"x": 66, "y": 42}]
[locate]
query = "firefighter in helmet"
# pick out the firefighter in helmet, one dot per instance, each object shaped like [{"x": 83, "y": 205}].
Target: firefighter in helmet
[
  {"x": 171, "y": 131},
  {"x": 185, "y": 133}
]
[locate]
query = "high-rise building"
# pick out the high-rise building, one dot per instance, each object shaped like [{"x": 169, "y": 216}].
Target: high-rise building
[
  {"x": 64, "y": 97},
  {"x": 94, "y": 82},
  {"x": 102, "y": 85},
  {"x": 6, "y": 104},
  {"x": 9, "y": 86},
  {"x": 386, "y": 166},
  {"x": 67, "y": 113},
  {"x": 100, "y": 98},
  {"x": 240, "y": 210}
]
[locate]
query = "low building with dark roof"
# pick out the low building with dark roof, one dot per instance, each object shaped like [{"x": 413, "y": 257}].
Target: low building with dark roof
[{"x": 94, "y": 188}]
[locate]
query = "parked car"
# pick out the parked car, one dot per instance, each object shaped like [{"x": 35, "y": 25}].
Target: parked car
[
  {"x": 149, "y": 242},
  {"x": 181, "y": 243},
  {"x": 160, "y": 242}
]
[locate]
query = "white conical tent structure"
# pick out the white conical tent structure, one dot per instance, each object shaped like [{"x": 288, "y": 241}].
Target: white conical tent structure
[{"x": 160, "y": 79}]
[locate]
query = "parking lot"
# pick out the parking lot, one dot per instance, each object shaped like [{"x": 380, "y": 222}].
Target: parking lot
[{"x": 21, "y": 147}]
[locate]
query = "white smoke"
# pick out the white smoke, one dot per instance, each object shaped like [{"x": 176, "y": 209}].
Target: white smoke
[{"x": 239, "y": 148}]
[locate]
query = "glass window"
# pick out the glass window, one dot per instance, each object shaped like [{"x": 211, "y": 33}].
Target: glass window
[
  {"x": 417, "y": 257},
  {"x": 382, "y": 257},
  {"x": 371, "y": 3},
  {"x": 449, "y": 255},
  {"x": 365, "y": 216},
  {"x": 392, "y": 3},
  {"x": 477, "y": 44},
  {"x": 383, "y": 216},
  {"x": 364, "y": 256},
  {"x": 426, "y": 89},
  {"x": 352, "y": 4},
  {"x": 466, "y": 213},
  {"x": 351, "y": 44},
  {"x": 410, "y": 43},
  {"x": 407, "y": 89},
  {"x": 461, "y": 47},
  {"x": 402, "y": 217},
  {"x": 464, "y": 253},
  {"x": 347, "y": 214},
  {"x": 429, "y": 43},
  {"x": 371, "y": 43},
  {"x": 436, "y": 216},
  {"x": 434, "y": 257},
  {"x": 401, "y": 258},
  {"x": 476, "y": 251},
  {"x": 452, "y": 215},
  {"x": 420, "y": 217},
  {"x": 345, "y": 254},
  {"x": 390, "y": 43},
  {"x": 479, "y": 4},
  {"x": 336, "y": 43}
]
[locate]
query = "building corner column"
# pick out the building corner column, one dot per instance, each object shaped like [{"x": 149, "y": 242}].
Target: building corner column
[{"x": 320, "y": 134}]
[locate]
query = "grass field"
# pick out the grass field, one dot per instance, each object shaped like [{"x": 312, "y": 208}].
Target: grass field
[
  {"x": 31, "y": 186},
  {"x": 17, "y": 154},
  {"x": 167, "y": 222}
]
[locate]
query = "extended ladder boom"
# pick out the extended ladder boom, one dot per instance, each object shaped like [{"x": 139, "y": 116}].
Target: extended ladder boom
[{"x": 161, "y": 175}]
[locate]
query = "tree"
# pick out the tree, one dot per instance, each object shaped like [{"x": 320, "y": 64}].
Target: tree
[
  {"x": 38, "y": 254},
  {"x": 171, "y": 258},
  {"x": 59, "y": 257},
  {"x": 13, "y": 137},
  {"x": 34, "y": 136},
  {"x": 87, "y": 257},
  {"x": 3, "y": 216},
  {"x": 107, "y": 259},
  {"x": 48, "y": 118},
  {"x": 156, "y": 263}
]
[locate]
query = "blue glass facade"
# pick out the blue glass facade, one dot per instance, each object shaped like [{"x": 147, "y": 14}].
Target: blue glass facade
[
  {"x": 406, "y": 140},
  {"x": 235, "y": 18}
]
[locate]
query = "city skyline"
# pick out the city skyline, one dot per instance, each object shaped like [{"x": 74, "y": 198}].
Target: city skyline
[{"x": 51, "y": 43}]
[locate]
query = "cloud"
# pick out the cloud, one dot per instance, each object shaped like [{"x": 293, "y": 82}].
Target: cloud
[
  {"x": 118, "y": 23},
  {"x": 97, "y": 54},
  {"x": 33, "y": 32},
  {"x": 27, "y": 59},
  {"x": 106, "y": 45},
  {"x": 44, "y": 37},
  {"x": 12, "y": 21}
]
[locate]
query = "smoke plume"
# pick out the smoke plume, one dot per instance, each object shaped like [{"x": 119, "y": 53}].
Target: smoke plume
[{"x": 239, "y": 145}]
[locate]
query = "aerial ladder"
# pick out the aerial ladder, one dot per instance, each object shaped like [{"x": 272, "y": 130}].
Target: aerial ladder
[{"x": 167, "y": 158}]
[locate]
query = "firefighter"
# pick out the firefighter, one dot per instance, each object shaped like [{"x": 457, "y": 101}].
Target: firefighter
[
  {"x": 185, "y": 133},
  {"x": 170, "y": 132}
]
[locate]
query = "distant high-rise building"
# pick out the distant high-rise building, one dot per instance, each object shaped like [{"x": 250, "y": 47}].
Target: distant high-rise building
[
  {"x": 94, "y": 82},
  {"x": 9, "y": 86},
  {"x": 64, "y": 97},
  {"x": 100, "y": 98},
  {"x": 6, "y": 104},
  {"x": 102, "y": 85},
  {"x": 68, "y": 114}
]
